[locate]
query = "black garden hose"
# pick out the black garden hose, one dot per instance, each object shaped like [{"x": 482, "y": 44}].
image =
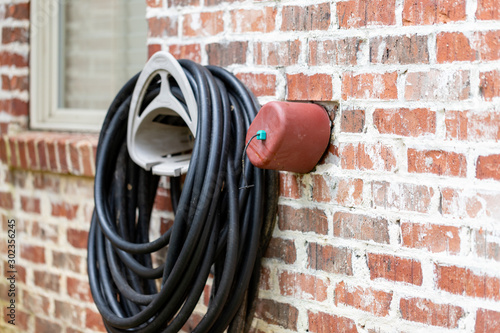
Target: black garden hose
[{"x": 221, "y": 227}]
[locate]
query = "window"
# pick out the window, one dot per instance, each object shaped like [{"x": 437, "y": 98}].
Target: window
[{"x": 82, "y": 52}]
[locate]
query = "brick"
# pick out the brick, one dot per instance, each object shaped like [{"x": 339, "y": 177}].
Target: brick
[
  {"x": 93, "y": 321},
  {"x": 45, "y": 231},
  {"x": 77, "y": 238},
  {"x": 306, "y": 18},
  {"x": 488, "y": 10},
  {"x": 486, "y": 244},
  {"x": 304, "y": 87},
  {"x": 434, "y": 238},
  {"x": 3, "y": 149},
  {"x": 436, "y": 85},
  {"x": 33, "y": 253},
  {"x": 453, "y": 46},
  {"x": 30, "y": 204},
  {"x": 472, "y": 126},
  {"x": 430, "y": 313},
  {"x": 15, "y": 82},
  {"x": 68, "y": 313},
  {"x": 22, "y": 320},
  {"x": 36, "y": 304},
  {"x": 488, "y": 167},
  {"x": 88, "y": 158},
  {"x": 66, "y": 261},
  {"x": 18, "y": 11},
  {"x": 439, "y": 162},
  {"x": 78, "y": 289},
  {"x": 405, "y": 122},
  {"x": 346, "y": 192},
  {"x": 227, "y": 54},
  {"x": 47, "y": 281},
  {"x": 302, "y": 219},
  {"x": 399, "y": 50},
  {"x": 360, "y": 227},
  {"x": 6, "y": 200},
  {"x": 362, "y": 156},
  {"x": 401, "y": 196},
  {"x": 13, "y": 59},
  {"x": 185, "y": 3},
  {"x": 153, "y": 48},
  {"x": 64, "y": 209},
  {"x": 459, "y": 203},
  {"x": 332, "y": 52},
  {"x": 487, "y": 321},
  {"x": 46, "y": 326},
  {"x": 154, "y": 3},
  {"x": 489, "y": 85},
  {"x": 321, "y": 322},
  {"x": 369, "y": 86},
  {"x": 303, "y": 286},
  {"x": 163, "y": 200},
  {"x": 486, "y": 44},
  {"x": 259, "y": 83},
  {"x": 352, "y": 121},
  {"x": 389, "y": 267},
  {"x": 14, "y": 107},
  {"x": 253, "y": 20},
  {"x": 264, "y": 282},
  {"x": 277, "y": 53},
  {"x": 203, "y": 24},
  {"x": 337, "y": 260},
  {"x": 188, "y": 51},
  {"x": 356, "y": 14},
  {"x": 14, "y": 35},
  {"x": 282, "y": 249},
  {"x": 371, "y": 300},
  {"x": 276, "y": 313},
  {"x": 462, "y": 281},
  {"x": 162, "y": 27},
  {"x": 21, "y": 271},
  {"x": 290, "y": 185},
  {"x": 424, "y": 12}
]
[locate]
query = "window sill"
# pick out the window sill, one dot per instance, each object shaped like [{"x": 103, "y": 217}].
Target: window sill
[{"x": 62, "y": 153}]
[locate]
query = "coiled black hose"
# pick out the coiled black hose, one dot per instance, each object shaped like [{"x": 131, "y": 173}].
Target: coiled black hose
[{"x": 220, "y": 229}]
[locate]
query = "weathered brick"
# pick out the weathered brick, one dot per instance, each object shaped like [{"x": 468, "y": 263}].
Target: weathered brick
[
  {"x": 276, "y": 313},
  {"x": 13, "y": 59},
  {"x": 489, "y": 85},
  {"x": 277, "y": 53},
  {"x": 430, "y": 313},
  {"x": 64, "y": 209},
  {"x": 14, "y": 106},
  {"x": 356, "y": 14},
  {"x": 303, "y": 286},
  {"x": 367, "y": 157},
  {"x": 439, "y": 162},
  {"x": 162, "y": 26},
  {"x": 488, "y": 167},
  {"x": 259, "y": 83},
  {"x": 389, "y": 267},
  {"x": 434, "y": 238},
  {"x": 334, "y": 51},
  {"x": 487, "y": 321},
  {"x": 352, "y": 121},
  {"x": 369, "y": 86},
  {"x": 45, "y": 231},
  {"x": 154, "y": 3},
  {"x": 290, "y": 185},
  {"x": 15, "y": 82},
  {"x": 14, "y": 35},
  {"x": 47, "y": 280},
  {"x": 282, "y": 249},
  {"x": 304, "y": 87},
  {"x": 93, "y": 321},
  {"x": 472, "y": 126},
  {"x": 33, "y": 253},
  {"x": 6, "y": 200},
  {"x": 366, "y": 299},
  {"x": 405, "y": 122},
  {"x": 462, "y": 281},
  {"x": 78, "y": 289},
  {"x": 361, "y": 227},
  {"x": 18, "y": 11},
  {"x": 68, "y": 313},
  {"x": 486, "y": 45},
  {"x": 486, "y": 244},
  {"x": 401, "y": 196},
  {"x": 423, "y": 12},
  {"x": 46, "y": 326},
  {"x": 175, "y": 3},
  {"x": 453, "y": 46},
  {"x": 66, "y": 261},
  {"x": 344, "y": 191},
  {"x": 337, "y": 260},
  {"x": 187, "y": 51},
  {"x": 302, "y": 219},
  {"x": 36, "y": 304},
  {"x": 436, "y": 85},
  {"x": 152, "y": 49},
  {"x": 163, "y": 201},
  {"x": 306, "y": 18},
  {"x": 399, "y": 50},
  {"x": 460, "y": 203},
  {"x": 488, "y": 10},
  {"x": 321, "y": 322},
  {"x": 253, "y": 20},
  {"x": 227, "y": 54},
  {"x": 77, "y": 238},
  {"x": 203, "y": 24}
]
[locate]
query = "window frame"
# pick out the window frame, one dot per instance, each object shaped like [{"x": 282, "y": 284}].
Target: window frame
[{"x": 45, "y": 113}]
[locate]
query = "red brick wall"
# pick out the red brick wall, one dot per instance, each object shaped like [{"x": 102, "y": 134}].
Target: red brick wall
[{"x": 397, "y": 228}]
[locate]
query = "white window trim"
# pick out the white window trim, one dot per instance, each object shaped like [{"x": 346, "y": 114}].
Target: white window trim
[{"x": 44, "y": 111}]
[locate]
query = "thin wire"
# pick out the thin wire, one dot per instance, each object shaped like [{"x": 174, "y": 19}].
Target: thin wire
[{"x": 243, "y": 164}]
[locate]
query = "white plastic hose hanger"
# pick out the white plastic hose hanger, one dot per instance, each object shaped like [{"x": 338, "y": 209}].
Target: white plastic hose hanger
[{"x": 157, "y": 138}]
